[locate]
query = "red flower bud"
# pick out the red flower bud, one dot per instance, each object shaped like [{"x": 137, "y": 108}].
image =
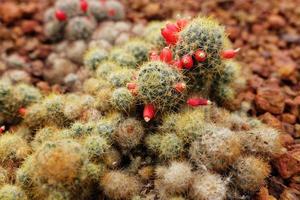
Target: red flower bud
[
  {"x": 178, "y": 64},
  {"x": 172, "y": 27},
  {"x": 2, "y": 129},
  {"x": 181, "y": 23},
  {"x": 166, "y": 55},
  {"x": 170, "y": 36},
  {"x": 149, "y": 112},
  {"x": 200, "y": 55},
  {"x": 111, "y": 12},
  {"x": 187, "y": 61},
  {"x": 180, "y": 87},
  {"x": 154, "y": 56},
  {"x": 198, "y": 102},
  {"x": 84, "y": 5},
  {"x": 131, "y": 86},
  {"x": 60, "y": 15},
  {"x": 22, "y": 111},
  {"x": 231, "y": 53}
]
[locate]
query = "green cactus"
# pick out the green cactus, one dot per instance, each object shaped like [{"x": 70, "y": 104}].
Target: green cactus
[
  {"x": 123, "y": 100},
  {"x": 139, "y": 49},
  {"x": 120, "y": 78},
  {"x": 250, "y": 173},
  {"x": 12, "y": 192},
  {"x": 123, "y": 57},
  {"x": 70, "y": 7},
  {"x": 96, "y": 146},
  {"x": 129, "y": 133},
  {"x": 156, "y": 85},
  {"x": 79, "y": 28},
  {"x": 119, "y": 185},
  {"x": 93, "y": 57},
  {"x": 115, "y": 9},
  {"x": 216, "y": 148}
]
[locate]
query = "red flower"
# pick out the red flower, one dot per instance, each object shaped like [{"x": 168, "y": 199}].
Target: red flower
[
  {"x": 170, "y": 36},
  {"x": 149, "y": 112},
  {"x": 187, "y": 61},
  {"x": 198, "y": 102},
  {"x": 200, "y": 55},
  {"x": 166, "y": 55},
  {"x": 231, "y": 53},
  {"x": 181, "y": 23},
  {"x": 22, "y": 111},
  {"x": 84, "y": 5},
  {"x": 60, "y": 15},
  {"x": 180, "y": 87}
]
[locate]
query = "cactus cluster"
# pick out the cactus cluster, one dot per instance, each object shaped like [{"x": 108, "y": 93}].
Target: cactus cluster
[
  {"x": 77, "y": 19},
  {"x": 104, "y": 142}
]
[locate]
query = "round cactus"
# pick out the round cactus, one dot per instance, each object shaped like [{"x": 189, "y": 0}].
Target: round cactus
[
  {"x": 12, "y": 192},
  {"x": 79, "y": 28},
  {"x": 156, "y": 85},
  {"x": 122, "y": 99},
  {"x": 174, "y": 179},
  {"x": 93, "y": 58},
  {"x": 98, "y": 10},
  {"x": 13, "y": 148},
  {"x": 96, "y": 147},
  {"x": 153, "y": 35},
  {"x": 120, "y": 78},
  {"x": 53, "y": 30},
  {"x": 129, "y": 133},
  {"x": 216, "y": 148},
  {"x": 139, "y": 49},
  {"x": 119, "y": 185},
  {"x": 208, "y": 186},
  {"x": 115, "y": 10},
  {"x": 70, "y": 7},
  {"x": 250, "y": 173},
  {"x": 123, "y": 58},
  {"x": 105, "y": 68},
  {"x": 263, "y": 140}
]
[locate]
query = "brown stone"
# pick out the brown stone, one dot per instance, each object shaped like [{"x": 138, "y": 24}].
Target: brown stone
[
  {"x": 29, "y": 26},
  {"x": 270, "y": 99},
  {"x": 297, "y": 131},
  {"x": 288, "y": 118},
  {"x": 269, "y": 119},
  {"x": 288, "y": 164},
  {"x": 9, "y": 12}
]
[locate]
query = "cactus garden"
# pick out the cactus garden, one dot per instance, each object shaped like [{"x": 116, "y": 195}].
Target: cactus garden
[{"x": 144, "y": 100}]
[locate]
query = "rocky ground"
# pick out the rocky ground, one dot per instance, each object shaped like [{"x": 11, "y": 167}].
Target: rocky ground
[{"x": 266, "y": 31}]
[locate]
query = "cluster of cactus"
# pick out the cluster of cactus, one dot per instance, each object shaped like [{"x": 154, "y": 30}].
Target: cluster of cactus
[
  {"x": 195, "y": 66},
  {"x": 95, "y": 144},
  {"x": 77, "y": 19}
]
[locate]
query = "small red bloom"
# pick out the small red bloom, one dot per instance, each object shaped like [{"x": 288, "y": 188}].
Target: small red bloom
[
  {"x": 84, "y": 5},
  {"x": 22, "y": 111},
  {"x": 180, "y": 87},
  {"x": 149, "y": 112},
  {"x": 111, "y": 12},
  {"x": 187, "y": 61},
  {"x": 231, "y": 53},
  {"x": 170, "y": 36},
  {"x": 181, "y": 23},
  {"x": 2, "y": 129},
  {"x": 178, "y": 64},
  {"x": 172, "y": 27},
  {"x": 131, "y": 86},
  {"x": 60, "y": 15},
  {"x": 198, "y": 102},
  {"x": 166, "y": 55},
  {"x": 154, "y": 56},
  {"x": 200, "y": 55}
]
